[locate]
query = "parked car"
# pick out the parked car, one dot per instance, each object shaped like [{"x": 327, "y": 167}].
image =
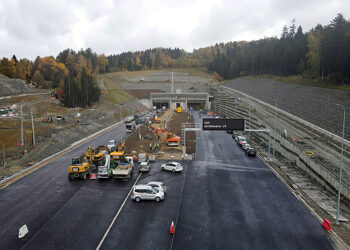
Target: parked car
[
  {"x": 251, "y": 151},
  {"x": 241, "y": 142},
  {"x": 157, "y": 185},
  {"x": 144, "y": 166},
  {"x": 237, "y": 138},
  {"x": 245, "y": 147},
  {"x": 172, "y": 166},
  {"x": 111, "y": 144},
  {"x": 145, "y": 192},
  {"x": 229, "y": 131}
]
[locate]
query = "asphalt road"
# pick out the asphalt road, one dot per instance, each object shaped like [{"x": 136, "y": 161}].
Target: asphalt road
[
  {"x": 222, "y": 200},
  {"x": 232, "y": 201},
  {"x": 60, "y": 214}
]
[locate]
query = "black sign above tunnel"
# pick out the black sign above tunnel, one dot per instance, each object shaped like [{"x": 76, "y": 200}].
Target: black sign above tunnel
[{"x": 222, "y": 124}]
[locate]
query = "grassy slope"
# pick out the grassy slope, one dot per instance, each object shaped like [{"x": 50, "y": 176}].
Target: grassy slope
[{"x": 115, "y": 93}]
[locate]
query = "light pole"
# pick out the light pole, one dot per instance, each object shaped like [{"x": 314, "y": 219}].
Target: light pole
[
  {"x": 341, "y": 165},
  {"x": 275, "y": 132}
]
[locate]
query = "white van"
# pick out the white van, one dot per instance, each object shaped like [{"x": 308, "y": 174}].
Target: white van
[{"x": 145, "y": 192}]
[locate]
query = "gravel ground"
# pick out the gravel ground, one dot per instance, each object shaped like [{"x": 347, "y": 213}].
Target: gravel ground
[
  {"x": 175, "y": 127},
  {"x": 10, "y": 86},
  {"x": 312, "y": 104},
  {"x": 165, "y": 76},
  {"x": 166, "y": 87}
]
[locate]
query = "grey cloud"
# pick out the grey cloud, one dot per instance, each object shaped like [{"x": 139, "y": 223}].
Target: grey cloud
[{"x": 44, "y": 27}]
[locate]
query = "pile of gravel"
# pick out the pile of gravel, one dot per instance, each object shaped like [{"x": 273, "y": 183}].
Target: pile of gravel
[{"x": 10, "y": 86}]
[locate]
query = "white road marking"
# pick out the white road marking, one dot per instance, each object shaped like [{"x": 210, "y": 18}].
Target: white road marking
[{"x": 116, "y": 216}]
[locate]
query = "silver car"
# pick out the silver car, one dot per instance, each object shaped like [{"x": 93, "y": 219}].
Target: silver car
[
  {"x": 145, "y": 192},
  {"x": 157, "y": 185},
  {"x": 172, "y": 166}
]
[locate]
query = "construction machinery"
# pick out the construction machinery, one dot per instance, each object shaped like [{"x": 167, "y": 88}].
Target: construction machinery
[
  {"x": 124, "y": 169},
  {"x": 130, "y": 127},
  {"x": 178, "y": 109},
  {"x": 118, "y": 152},
  {"x": 170, "y": 139},
  {"x": 104, "y": 170},
  {"x": 96, "y": 154},
  {"x": 79, "y": 169},
  {"x": 157, "y": 120}
]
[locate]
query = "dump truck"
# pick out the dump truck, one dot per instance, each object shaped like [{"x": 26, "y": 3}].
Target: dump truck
[
  {"x": 157, "y": 119},
  {"x": 118, "y": 152},
  {"x": 103, "y": 170},
  {"x": 124, "y": 169},
  {"x": 130, "y": 127},
  {"x": 79, "y": 169}
]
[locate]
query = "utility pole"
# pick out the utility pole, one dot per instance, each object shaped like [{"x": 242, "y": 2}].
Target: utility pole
[
  {"x": 249, "y": 121},
  {"x": 33, "y": 133},
  {"x": 120, "y": 112},
  {"x": 172, "y": 82},
  {"x": 274, "y": 138},
  {"x": 3, "y": 155},
  {"x": 22, "y": 142},
  {"x": 341, "y": 166}
]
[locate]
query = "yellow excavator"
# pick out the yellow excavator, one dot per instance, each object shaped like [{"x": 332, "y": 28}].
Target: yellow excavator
[
  {"x": 118, "y": 152},
  {"x": 79, "y": 169},
  {"x": 96, "y": 154}
]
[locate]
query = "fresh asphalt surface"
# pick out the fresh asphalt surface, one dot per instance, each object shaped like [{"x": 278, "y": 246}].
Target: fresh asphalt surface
[{"x": 222, "y": 200}]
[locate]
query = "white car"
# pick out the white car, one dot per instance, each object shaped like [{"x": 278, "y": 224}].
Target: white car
[
  {"x": 172, "y": 166},
  {"x": 111, "y": 144},
  {"x": 145, "y": 192},
  {"x": 157, "y": 185}
]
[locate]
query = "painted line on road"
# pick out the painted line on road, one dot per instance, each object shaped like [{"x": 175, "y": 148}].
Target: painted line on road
[
  {"x": 334, "y": 234},
  {"x": 178, "y": 209},
  {"x": 4, "y": 183},
  {"x": 117, "y": 214}
]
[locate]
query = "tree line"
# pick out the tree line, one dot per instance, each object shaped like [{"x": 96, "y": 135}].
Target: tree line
[{"x": 321, "y": 53}]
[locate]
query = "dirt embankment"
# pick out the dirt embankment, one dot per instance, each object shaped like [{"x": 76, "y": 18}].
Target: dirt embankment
[
  {"x": 10, "y": 87},
  {"x": 313, "y": 104},
  {"x": 141, "y": 139},
  {"x": 174, "y": 126}
]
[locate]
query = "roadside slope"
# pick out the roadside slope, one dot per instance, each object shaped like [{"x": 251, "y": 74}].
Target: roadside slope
[{"x": 293, "y": 98}]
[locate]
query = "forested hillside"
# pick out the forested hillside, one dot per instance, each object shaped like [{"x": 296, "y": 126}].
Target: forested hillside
[{"x": 322, "y": 53}]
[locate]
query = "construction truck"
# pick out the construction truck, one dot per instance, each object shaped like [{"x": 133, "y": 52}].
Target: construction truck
[
  {"x": 124, "y": 168},
  {"x": 103, "y": 170},
  {"x": 157, "y": 120},
  {"x": 130, "y": 127},
  {"x": 79, "y": 169},
  {"x": 118, "y": 152},
  {"x": 96, "y": 154},
  {"x": 170, "y": 139}
]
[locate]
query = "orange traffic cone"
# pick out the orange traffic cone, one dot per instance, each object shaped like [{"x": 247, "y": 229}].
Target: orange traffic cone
[{"x": 172, "y": 228}]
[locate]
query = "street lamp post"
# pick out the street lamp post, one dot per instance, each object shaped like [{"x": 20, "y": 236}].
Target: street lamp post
[
  {"x": 275, "y": 132},
  {"x": 341, "y": 165}
]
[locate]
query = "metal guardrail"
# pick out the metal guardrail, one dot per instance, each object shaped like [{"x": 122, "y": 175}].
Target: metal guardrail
[{"x": 60, "y": 152}]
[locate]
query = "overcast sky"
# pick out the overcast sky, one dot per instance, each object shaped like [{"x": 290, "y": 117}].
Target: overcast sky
[{"x": 29, "y": 28}]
